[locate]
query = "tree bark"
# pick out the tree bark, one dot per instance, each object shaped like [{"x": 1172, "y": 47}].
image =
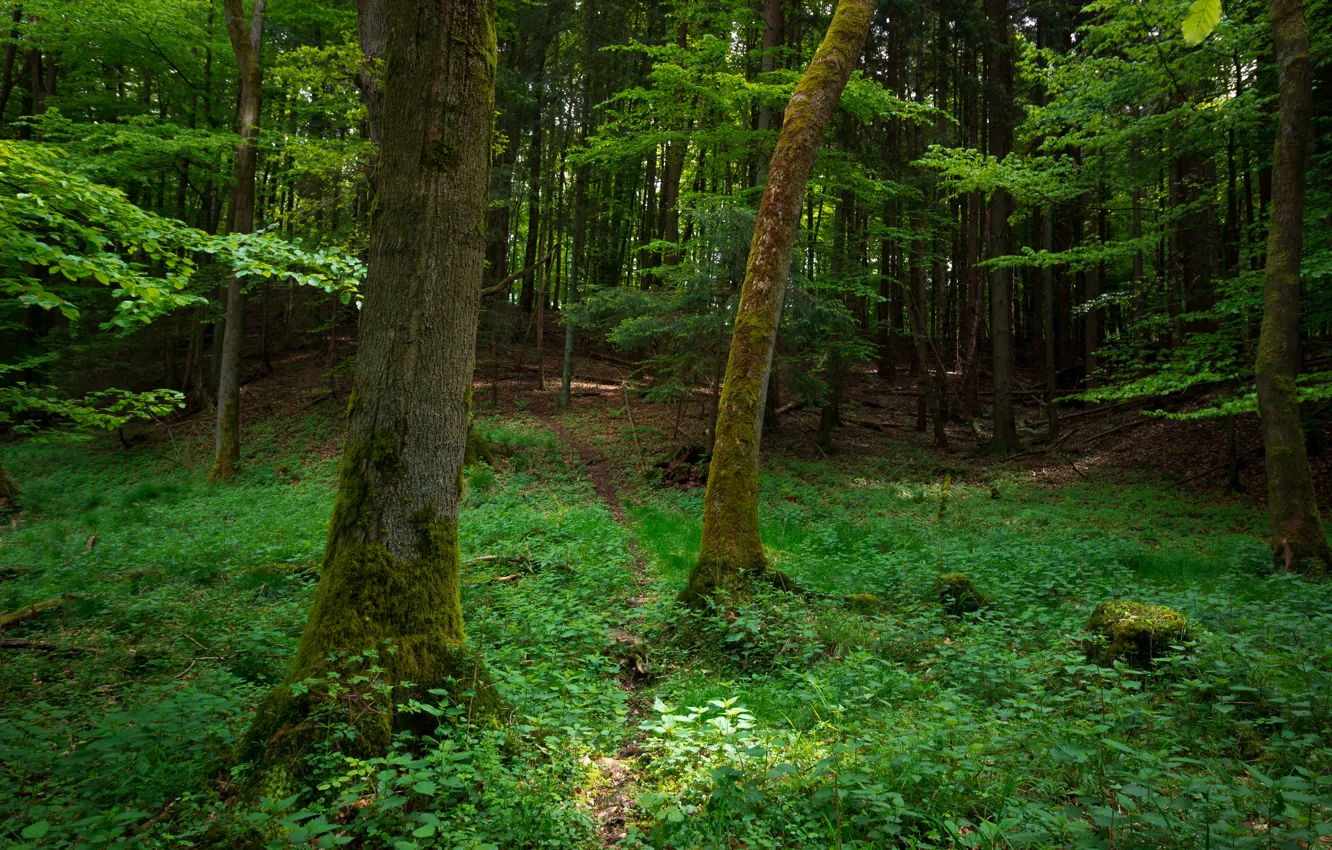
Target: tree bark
[
  {"x": 732, "y": 552},
  {"x": 999, "y": 66},
  {"x": 526, "y": 294},
  {"x": 246, "y": 43},
  {"x": 1048, "y": 323},
  {"x": 391, "y": 572},
  {"x": 11, "y": 54},
  {"x": 1298, "y": 538}
]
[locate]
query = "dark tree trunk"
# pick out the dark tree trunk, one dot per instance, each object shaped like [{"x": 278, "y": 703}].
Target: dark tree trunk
[
  {"x": 246, "y": 42},
  {"x": 1298, "y": 538},
  {"x": 8, "y": 79},
  {"x": 999, "y": 67},
  {"x": 533, "y": 209}
]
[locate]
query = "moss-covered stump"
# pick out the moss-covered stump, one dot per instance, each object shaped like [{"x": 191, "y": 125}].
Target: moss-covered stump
[
  {"x": 477, "y": 449},
  {"x": 959, "y": 595},
  {"x": 1134, "y": 632}
]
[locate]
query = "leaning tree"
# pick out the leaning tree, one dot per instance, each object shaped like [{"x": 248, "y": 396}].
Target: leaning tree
[{"x": 732, "y": 553}]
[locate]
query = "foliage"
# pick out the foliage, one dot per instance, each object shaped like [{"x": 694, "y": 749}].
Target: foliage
[{"x": 787, "y": 722}]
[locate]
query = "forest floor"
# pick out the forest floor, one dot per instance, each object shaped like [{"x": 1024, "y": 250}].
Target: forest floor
[{"x": 783, "y": 722}]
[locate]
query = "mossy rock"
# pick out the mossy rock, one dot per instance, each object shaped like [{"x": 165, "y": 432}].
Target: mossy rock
[
  {"x": 1134, "y": 632},
  {"x": 959, "y": 595}
]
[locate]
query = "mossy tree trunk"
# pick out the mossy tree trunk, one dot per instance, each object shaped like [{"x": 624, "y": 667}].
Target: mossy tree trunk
[
  {"x": 1298, "y": 538},
  {"x": 391, "y": 570},
  {"x": 732, "y": 552},
  {"x": 246, "y": 42}
]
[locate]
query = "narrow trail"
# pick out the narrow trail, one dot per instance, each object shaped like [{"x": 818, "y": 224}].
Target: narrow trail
[{"x": 614, "y": 805}]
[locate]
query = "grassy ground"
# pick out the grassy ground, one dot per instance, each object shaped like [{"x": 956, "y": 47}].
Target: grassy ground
[{"x": 783, "y": 722}]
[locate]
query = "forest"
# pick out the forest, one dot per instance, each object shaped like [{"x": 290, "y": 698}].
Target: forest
[{"x": 705, "y": 424}]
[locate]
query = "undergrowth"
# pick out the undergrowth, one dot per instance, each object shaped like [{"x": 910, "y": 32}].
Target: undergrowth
[{"x": 782, "y": 722}]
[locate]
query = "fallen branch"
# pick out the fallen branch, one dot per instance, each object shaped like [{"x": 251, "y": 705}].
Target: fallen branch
[
  {"x": 27, "y": 612},
  {"x": 504, "y": 284},
  {"x": 487, "y": 559},
  {"x": 47, "y": 647},
  {"x": 1132, "y": 424},
  {"x": 1092, "y": 411},
  {"x": 867, "y": 423},
  {"x": 633, "y": 429}
]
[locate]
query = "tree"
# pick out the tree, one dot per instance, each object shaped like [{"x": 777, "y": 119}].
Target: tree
[
  {"x": 246, "y": 42},
  {"x": 731, "y": 552},
  {"x": 1297, "y": 530},
  {"x": 391, "y": 571},
  {"x": 999, "y": 68}
]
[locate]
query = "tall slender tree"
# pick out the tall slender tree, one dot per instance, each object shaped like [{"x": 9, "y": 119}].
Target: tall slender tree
[
  {"x": 1298, "y": 537},
  {"x": 246, "y": 43},
  {"x": 732, "y": 552}
]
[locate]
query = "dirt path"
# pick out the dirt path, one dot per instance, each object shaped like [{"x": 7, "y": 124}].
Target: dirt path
[
  {"x": 599, "y": 471},
  {"x": 614, "y": 805}
]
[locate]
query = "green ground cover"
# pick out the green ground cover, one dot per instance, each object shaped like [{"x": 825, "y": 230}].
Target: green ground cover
[{"x": 782, "y": 722}]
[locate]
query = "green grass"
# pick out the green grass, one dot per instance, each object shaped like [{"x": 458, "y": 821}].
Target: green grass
[{"x": 779, "y": 722}]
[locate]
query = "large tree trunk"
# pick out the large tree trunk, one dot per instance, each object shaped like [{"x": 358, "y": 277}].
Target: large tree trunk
[
  {"x": 1297, "y": 530},
  {"x": 246, "y": 43},
  {"x": 731, "y": 551},
  {"x": 392, "y": 570}
]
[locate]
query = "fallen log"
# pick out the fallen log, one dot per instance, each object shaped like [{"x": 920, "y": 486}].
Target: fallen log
[
  {"x": 47, "y": 647},
  {"x": 27, "y": 612}
]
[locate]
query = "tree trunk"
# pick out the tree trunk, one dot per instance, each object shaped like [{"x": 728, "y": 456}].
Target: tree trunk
[
  {"x": 246, "y": 43},
  {"x": 11, "y": 54},
  {"x": 526, "y": 294},
  {"x": 392, "y": 569},
  {"x": 731, "y": 551},
  {"x": 1297, "y": 530},
  {"x": 999, "y": 66},
  {"x": 1048, "y": 323}
]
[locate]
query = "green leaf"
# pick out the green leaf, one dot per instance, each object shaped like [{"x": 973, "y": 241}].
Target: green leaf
[
  {"x": 36, "y": 830},
  {"x": 1203, "y": 17}
]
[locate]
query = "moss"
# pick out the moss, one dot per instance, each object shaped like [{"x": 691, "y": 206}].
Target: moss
[
  {"x": 228, "y": 441},
  {"x": 959, "y": 595},
  {"x": 368, "y": 599},
  {"x": 477, "y": 449},
  {"x": 863, "y": 603},
  {"x": 442, "y": 155},
  {"x": 1134, "y": 632},
  {"x": 731, "y": 555}
]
